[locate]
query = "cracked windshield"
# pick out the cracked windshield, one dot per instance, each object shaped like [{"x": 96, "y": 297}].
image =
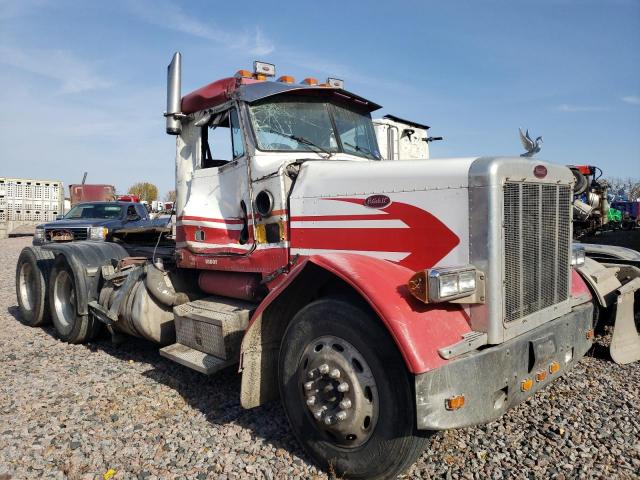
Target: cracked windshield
[{"x": 308, "y": 124}]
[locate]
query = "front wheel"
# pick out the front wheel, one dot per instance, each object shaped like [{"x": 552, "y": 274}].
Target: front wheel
[{"x": 347, "y": 393}]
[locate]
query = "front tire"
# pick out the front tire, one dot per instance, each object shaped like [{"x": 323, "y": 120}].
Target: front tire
[
  {"x": 347, "y": 393},
  {"x": 70, "y": 327},
  {"x": 32, "y": 274}
]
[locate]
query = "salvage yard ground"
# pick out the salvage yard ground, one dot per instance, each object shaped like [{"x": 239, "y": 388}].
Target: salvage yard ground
[{"x": 80, "y": 411}]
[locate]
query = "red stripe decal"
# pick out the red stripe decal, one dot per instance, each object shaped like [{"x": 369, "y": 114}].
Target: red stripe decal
[{"x": 427, "y": 239}]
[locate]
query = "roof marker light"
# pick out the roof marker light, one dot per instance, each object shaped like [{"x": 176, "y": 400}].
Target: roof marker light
[
  {"x": 310, "y": 81},
  {"x": 263, "y": 68},
  {"x": 287, "y": 79},
  {"x": 244, "y": 74},
  {"x": 335, "y": 83}
]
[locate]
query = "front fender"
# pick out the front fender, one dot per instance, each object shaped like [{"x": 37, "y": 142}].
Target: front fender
[{"x": 418, "y": 330}]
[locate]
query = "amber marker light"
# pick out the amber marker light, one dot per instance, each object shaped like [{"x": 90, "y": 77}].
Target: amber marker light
[
  {"x": 287, "y": 79},
  {"x": 244, "y": 74},
  {"x": 454, "y": 403},
  {"x": 541, "y": 375},
  {"x": 526, "y": 384},
  {"x": 554, "y": 367},
  {"x": 310, "y": 81},
  {"x": 417, "y": 286}
]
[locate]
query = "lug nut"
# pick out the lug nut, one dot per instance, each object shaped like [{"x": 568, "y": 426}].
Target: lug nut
[
  {"x": 340, "y": 416},
  {"x": 311, "y": 374},
  {"x": 343, "y": 387},
  {"x": 324, "y": 368},
  {"x": 308, "y": 385},
  {"x": 311, "y": 400},
  {"x": 318, "y": 414},
  {"x": 335, "y": 373},
  {"x": 328, "y": 420},
  {"x": 345, "y": 404}
]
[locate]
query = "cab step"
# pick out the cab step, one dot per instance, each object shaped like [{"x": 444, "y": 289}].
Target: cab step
[
  {"x": 195, "y": 359},
  {"x": 209, "y": 332}
]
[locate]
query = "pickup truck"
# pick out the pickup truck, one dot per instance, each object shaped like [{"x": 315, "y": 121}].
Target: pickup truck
[{"x": 95, "y": 221}]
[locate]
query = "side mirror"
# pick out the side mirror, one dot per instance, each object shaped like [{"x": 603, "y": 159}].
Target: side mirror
[{"x": 59, "y": 216}]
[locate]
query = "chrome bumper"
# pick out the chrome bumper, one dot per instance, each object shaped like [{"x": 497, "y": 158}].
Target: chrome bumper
[{"x": 491, "y": 379}]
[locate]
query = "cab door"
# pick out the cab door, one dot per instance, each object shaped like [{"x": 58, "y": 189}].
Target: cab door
[{"x": 215, "y": 220}]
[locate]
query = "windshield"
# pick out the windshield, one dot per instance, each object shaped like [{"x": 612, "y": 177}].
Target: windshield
[
  {"x": 311, "y": 124},
  {"x": 99, "y": 210}
]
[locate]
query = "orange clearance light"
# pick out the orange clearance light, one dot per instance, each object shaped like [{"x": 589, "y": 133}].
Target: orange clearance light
[
  {"x": 590, "y": 334},
  {"x": 310, "y": 81},
  {"x": 244, "y": 74},
  {"x": 541, "y": 375},
  {"x": 417, "y": 286},
  {"x": 287, "y": 79},
  {"x": 259, "y": 76},
  {"x": 554, "y": 367},
  {"x": 454, "y": 403},
  {"x": 526, "y": 384}
]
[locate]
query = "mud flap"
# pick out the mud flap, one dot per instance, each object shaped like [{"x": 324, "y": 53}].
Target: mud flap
[{"x": 625, "y": 342}]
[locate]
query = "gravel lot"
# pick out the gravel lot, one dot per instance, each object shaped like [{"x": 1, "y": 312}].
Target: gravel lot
[{"x": 77, "y": 411}]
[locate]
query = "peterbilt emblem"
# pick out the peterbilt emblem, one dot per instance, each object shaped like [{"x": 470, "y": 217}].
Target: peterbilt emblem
[
  {"x": 540, "y": 171},
  {"x": 377, "y": 201}
]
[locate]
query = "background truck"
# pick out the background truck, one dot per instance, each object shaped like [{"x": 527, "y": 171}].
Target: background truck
[
  {"x": 25, "y": 202},
  {"x": 86, "y": 192},
  {"x": 401, "y": 139},
  {"x": 378, "y": 300}
]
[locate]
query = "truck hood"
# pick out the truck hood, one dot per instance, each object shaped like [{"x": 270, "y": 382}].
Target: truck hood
[
  {"x": 110, "y": 224},
  {"x": 414, "y": 213}
]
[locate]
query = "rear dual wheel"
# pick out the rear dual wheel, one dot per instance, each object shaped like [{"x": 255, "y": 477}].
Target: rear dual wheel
[
  {"x": 32, "y": 274},
  {"x": 63, "y": 304},
  {"x": 347, "y": 393}
]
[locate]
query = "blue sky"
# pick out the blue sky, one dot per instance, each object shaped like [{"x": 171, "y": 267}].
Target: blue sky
[{"x": 82, "y": 84}]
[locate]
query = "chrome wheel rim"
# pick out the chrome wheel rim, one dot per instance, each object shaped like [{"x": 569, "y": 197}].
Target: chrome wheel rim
[
  {"x": 26, "y": 286},
  {"x": 64, "y": 300},
  {"x": 339, "y": 391}
]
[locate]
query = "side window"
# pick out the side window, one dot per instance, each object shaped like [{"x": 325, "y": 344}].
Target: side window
[
  {"x": 221, "y": 140},
  {"x": 141, "y": 211},
  {"x": 131, "y": 210}
]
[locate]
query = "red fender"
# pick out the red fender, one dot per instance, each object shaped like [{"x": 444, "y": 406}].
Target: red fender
[{"x": 418, "y": 330}]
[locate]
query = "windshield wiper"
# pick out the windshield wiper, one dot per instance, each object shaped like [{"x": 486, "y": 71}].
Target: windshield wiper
[
  {"x": 362, "y": 149},
  {"x": 302, "y": 140}
]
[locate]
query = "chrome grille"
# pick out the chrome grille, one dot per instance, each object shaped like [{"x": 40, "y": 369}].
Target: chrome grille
[
  {"x": 537, "y": 230},
  {"x": 79, "y": 233}
]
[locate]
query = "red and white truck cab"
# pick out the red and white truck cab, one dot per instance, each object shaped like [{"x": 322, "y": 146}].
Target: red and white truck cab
[{"x": 379, "y": 300}]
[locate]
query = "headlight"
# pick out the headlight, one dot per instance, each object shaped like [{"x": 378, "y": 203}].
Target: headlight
[
  {"x": 39, "y": 233},
  {"x": 446, "y": 284},
  {"x": 577, "y": 255},
  {"x": 98, "y": 233}
]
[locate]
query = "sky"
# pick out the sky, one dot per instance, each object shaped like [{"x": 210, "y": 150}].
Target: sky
[{"x": 83, "y": 84}]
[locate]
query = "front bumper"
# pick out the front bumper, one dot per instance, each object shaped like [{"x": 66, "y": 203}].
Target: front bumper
[{"x": 490, "y": 379}]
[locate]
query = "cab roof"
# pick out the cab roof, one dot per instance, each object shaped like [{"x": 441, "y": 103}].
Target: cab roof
[{"x": 250, "y": 90}]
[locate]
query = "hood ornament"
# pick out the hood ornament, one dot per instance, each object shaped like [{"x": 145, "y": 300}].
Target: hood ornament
[{"x": 531, "y": 147}]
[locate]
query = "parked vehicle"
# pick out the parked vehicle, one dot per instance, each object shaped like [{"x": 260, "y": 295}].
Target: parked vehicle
[
  {"x": 378, "y": 300},
  {"x": 91, "y": 193},
  {"x": 93, "y": 221},
  {"x": 401, "y": 139},
  {"x": 25, "y": 202}
]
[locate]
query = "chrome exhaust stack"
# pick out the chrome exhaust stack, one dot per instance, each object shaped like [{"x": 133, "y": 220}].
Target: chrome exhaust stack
[{"x": 174, "y": 98}]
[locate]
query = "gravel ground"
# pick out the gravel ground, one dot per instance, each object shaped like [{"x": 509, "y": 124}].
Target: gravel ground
[{"x": 77, "y": 411}]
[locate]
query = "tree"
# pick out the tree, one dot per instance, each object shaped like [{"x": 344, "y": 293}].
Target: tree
[
  {"x": 170, "y": 196},
  {"x": 145, "y": 190}
]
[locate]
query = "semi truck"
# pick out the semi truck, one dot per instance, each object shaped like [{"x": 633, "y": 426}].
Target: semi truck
[{"x": 379, "y": 301}]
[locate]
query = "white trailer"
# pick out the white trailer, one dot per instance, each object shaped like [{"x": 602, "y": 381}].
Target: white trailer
[{"x": 26, "y": 202}]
